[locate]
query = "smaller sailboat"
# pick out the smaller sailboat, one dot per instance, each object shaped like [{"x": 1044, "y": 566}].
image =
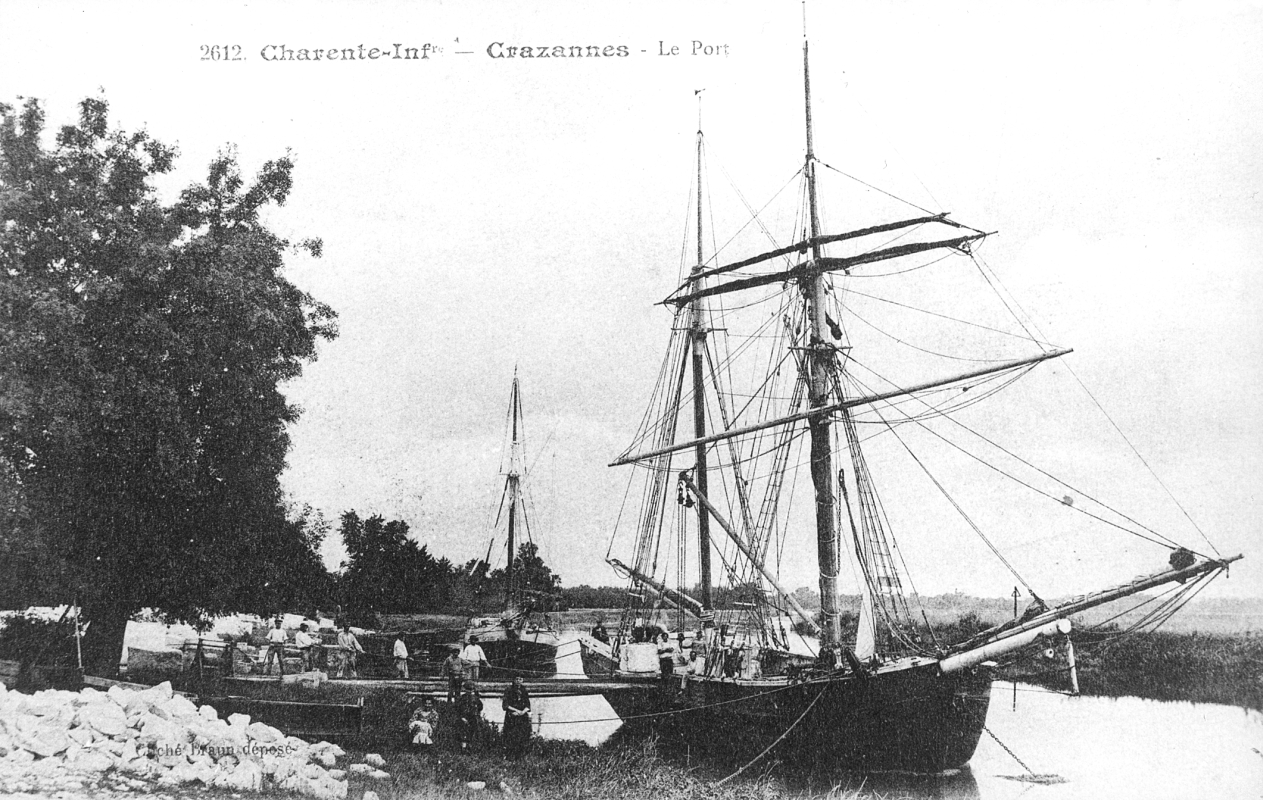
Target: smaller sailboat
[{"x": 519, "y": 641}]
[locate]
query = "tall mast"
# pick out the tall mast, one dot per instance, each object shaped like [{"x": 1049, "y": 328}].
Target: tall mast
[
  {"x": 512, "y": 488},
  {"x": 697, "y": 338},
  {"x": 820, "y": 361}
]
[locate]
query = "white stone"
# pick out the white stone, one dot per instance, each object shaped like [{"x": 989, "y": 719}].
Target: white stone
[
  {"x": 326, "y": 760},
  {"x": 259, "y": 732},
  {"x": 360, "y": 769},
  {"x": 179, "y": 707},
  {"x": 81, "y": 735},
  {"x": 477, "y": 784},
  {"x": 93, "y": 762},
  {"x": 108, "y": 719},
  {"x": 378, "y": 774},
  {"x": 374, "y": 760},
  {"x": 208, "y": 712},
  {"x": 327, "y": 747},
  {"x": 370, "y": 795},
  {"x": 239, "y": 720},
  {"x": 119, "y": 695}
]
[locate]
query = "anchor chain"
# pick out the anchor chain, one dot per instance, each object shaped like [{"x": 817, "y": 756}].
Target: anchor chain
[{"x": 1029, "y": 771}]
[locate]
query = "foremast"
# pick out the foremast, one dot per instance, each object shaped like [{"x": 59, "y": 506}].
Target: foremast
[{"x": 820, "y": 364}]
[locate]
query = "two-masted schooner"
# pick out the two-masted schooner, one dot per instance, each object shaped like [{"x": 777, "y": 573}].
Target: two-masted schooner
[
  {"x": 714, "y": 459},
  {"x": 517, "y": 642}
]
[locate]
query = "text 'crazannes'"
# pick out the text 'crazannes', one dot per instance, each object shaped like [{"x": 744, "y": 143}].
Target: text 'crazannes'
[{"x": 331, "y": 52}]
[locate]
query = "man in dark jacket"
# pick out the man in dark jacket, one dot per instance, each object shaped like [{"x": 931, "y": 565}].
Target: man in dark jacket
[{"x": 468, "y": 714}]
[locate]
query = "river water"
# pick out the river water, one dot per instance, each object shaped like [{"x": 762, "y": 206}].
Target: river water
[{"x": 1113, "y": 748}]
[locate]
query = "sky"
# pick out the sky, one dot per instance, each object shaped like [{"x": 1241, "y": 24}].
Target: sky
[{"x": 482, "y": 214}]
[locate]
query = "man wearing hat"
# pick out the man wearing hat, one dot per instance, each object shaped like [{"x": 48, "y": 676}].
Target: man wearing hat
[
  {"x": 468, "y": 713},
  {"x": 276, "y": 648},
  {"x": 454, "y": 670}
]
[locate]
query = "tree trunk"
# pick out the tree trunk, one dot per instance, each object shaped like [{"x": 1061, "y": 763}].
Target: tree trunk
[{"x": 103, "y": 640}]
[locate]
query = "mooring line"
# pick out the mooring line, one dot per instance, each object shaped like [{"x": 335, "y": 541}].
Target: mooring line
[{"x": 768, "y": 749}]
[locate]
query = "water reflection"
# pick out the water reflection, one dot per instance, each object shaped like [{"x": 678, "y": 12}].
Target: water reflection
[{"x": 1103, "y": 747}]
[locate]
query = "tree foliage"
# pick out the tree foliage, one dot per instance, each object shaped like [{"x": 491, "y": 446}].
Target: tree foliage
[
  {"x": 387, "y": 571},
  {"x": 142, "y": 347}
]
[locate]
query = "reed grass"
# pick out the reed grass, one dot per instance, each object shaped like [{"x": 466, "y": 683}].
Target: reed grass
[{"x": 1194, "y": 667}]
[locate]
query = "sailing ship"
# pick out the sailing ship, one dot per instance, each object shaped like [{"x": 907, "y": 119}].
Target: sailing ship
[
  {"x": 714, "y": 460},
  {"x": 519, "y": 641}
]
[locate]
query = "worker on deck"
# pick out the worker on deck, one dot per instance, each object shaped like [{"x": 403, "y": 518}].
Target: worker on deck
[
  {"x": 276, "y": 648},
  {"x": 454, "y": 671},
  {"x": 401, "y": 659},
  {"x": 349, "y": 650},
  {"x": 600, "y": 634},
  {"x": 474, "y": 658},
  {"x": 666, "y": 656},
  {"x": 306, "y": 648}
]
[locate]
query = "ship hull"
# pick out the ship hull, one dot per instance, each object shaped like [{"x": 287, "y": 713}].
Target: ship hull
[{"x": 912, "y": 718}]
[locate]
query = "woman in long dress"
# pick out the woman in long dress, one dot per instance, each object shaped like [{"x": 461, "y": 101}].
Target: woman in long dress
[{"x": 517, "y": 718}]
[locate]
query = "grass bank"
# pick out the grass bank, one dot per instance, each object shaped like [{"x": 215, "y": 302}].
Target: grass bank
[
  {"x": 557, "y": 769},
  {"x": 1195, "y": 667}
]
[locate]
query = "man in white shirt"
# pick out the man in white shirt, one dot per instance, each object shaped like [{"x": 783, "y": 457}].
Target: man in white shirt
[
  {"x": 306, "y": 647},
  {"x": 401, "y": 659},
  {"x": 276, "y": 648},
  {"x": 473, "y": 657}
]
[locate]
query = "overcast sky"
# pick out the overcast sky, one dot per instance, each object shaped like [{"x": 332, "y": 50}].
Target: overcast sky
[{"x": 483, "y": 213}]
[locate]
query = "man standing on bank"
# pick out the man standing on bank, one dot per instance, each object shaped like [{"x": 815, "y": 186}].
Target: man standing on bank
[{"x": 468, "y": 714}]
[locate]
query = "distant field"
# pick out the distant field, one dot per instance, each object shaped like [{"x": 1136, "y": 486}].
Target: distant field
[{"x": 1215, "y": 616}]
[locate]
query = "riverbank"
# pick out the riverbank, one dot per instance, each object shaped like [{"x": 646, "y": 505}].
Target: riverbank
[
  {"x": 558, "y": 769},
  {"x": 1192, "y": 667}
]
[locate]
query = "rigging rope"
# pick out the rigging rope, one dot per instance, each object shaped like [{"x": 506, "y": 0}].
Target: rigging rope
[
  {"x": 779, "y": 739},
  {"x": 980, "y": 264}
]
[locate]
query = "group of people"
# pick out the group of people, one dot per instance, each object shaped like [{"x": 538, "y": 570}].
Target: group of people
[
  {"x": 346, "y": 654},
  {"x": 462, "y": 668},
  {"x": 468, "y": 706}
]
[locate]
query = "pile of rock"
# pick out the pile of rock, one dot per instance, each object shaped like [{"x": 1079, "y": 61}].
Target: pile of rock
[{"x": 56, "y": 739}]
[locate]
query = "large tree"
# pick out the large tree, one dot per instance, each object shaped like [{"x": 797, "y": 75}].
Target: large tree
[{"x": 142, "y": 347}]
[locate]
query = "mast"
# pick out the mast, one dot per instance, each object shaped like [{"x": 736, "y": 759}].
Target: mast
[
  {"x": 697, "y": 339},
  {"x": 512, "y": 489},
  {"x": 820, "y": 361}
]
